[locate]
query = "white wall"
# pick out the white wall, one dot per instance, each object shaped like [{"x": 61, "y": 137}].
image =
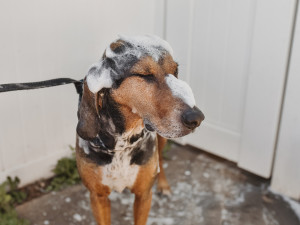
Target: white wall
[
  {"x": 286, "y": 173},
  {"x": 47, "y": 39}
]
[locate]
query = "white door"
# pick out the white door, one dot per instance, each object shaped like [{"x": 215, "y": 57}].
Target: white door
[
  {"x": 286, "y": 173},
  {"x": 234, "y": 55}
]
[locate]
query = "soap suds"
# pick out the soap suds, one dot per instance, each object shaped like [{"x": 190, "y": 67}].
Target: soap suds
[
  {"x": 84, "y": 145},
  {"x": 295, "y": 206},
  {"x": 120, "y": 174},
  {"x": 77, "y": 217},
  {"x": 98, "y": 78},
  {"x": 181, "y": 90},
  {"x": 115, "y": 64},
  {"x": 148, "y": 44}
]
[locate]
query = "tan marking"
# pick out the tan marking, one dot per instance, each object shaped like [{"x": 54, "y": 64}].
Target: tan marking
[
  {"x": 146, "y": 66},
  {"x": 98, "y": 102},
  {"x": 116, "y": 44},
  {"x": 90, "y": 173},
  {"x": 146, "y": 175},
  {"x": 169, "y": 65}
]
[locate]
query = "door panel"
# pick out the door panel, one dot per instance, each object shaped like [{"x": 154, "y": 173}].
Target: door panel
[
  {"x": 234, "y": 55},
  {"x": 267, "y": 73}
]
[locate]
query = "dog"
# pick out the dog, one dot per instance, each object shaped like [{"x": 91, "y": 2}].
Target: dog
[{"x": 132, "y": 101}]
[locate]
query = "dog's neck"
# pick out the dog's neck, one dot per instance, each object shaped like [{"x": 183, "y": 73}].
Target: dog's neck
[{"x": 121, "y": 131}]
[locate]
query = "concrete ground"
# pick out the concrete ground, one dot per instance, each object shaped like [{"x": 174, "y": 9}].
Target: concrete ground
[{"x": 206, "y": 191}]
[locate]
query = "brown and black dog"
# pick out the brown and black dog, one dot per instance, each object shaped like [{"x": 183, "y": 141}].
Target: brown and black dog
[{"x": 131, "y": 101}]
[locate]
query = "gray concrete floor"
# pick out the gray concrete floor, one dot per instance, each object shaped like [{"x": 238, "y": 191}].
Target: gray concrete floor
[{"x": 206, "y": 191}]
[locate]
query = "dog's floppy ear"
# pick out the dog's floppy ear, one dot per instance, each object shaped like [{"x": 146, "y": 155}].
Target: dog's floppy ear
[
  {"x": 99, "y": 77},
  {"x": 88, "y": 114}
]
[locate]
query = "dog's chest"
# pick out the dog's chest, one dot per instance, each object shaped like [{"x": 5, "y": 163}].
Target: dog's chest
[
  {"x": 122, "y": 172},
  {"x": 119, "y": 174}
]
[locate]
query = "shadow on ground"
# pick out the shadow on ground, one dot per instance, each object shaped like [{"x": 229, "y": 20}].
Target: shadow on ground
[{"x": 206, "y": 191}]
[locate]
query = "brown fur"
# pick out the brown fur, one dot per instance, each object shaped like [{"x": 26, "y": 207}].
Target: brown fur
[
  {"x": 142, "y": 190},
  {"x": 148, "y": 66},
  {"x": 116, "y": 45},
  {"x": 91, "y": 175},
  {"x": 162, "y": 183},
  {"x": 88, "y": 114}
]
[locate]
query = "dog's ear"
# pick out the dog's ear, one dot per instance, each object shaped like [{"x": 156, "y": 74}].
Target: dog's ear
[
  {"x": 88, "y": 114},
  {"x": 99, "y": 77}
]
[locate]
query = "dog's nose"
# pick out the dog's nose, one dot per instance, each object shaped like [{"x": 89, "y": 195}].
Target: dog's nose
[{"x": 192, "y": 118}]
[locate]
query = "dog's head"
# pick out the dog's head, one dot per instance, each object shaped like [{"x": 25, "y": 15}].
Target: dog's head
[{"x": 141, "y": 76}]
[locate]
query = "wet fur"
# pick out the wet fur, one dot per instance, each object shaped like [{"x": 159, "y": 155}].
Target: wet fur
[{"x": 114, "y": 150}]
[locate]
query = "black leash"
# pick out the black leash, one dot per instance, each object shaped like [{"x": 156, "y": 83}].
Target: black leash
[{"x": 42, "y": 84}]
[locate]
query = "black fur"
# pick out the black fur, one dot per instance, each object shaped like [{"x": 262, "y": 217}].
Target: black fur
[
  {"x": 141, "y": 154},
  {"x": 136, "y": 137},
  {"x": 110, "y": 109},
  {"x": 101, "y": 158}
]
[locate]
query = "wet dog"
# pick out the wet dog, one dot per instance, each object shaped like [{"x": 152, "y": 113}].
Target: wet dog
[{"x": 132, "y": 100}]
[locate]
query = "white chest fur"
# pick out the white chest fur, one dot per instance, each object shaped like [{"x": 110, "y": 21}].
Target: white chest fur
[{"x": 119, "y": 174}]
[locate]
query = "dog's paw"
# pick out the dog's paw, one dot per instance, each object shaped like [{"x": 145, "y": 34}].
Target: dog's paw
[
  {"x": 164, "y": 192},
  {"x": 164, "y": 189}
]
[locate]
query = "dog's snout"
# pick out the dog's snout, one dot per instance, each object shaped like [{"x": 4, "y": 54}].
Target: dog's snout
[{"x": 192, "y": 118}]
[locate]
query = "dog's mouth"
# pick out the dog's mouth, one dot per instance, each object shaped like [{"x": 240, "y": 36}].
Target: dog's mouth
[
  {"x": 170, "y": 134},
  {"x": 96, "y": 144},
  {"x": 173, "y": 129},
  {"x": 148, "y": 125}
]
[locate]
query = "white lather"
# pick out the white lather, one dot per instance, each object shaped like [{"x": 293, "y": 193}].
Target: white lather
[
  {"x": 181, "y": 90},
  {"x": 119, "y": 174}
]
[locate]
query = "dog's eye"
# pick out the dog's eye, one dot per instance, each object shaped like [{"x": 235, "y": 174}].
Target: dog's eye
[
  {"x": 149, "y": 77},
  {"x": 176, "y": 72}
]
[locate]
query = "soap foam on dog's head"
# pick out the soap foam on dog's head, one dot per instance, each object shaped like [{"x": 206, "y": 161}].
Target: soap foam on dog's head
[
  {"x": 114, "y": 65},
  {"x": 148, "y": 45}
]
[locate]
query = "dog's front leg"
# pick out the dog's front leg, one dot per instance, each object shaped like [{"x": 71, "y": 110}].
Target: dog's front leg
[
  {"x": 101, "y": 208},
  {"x": 142, "y": 205},
  {"x": 162, "y": 183}
]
